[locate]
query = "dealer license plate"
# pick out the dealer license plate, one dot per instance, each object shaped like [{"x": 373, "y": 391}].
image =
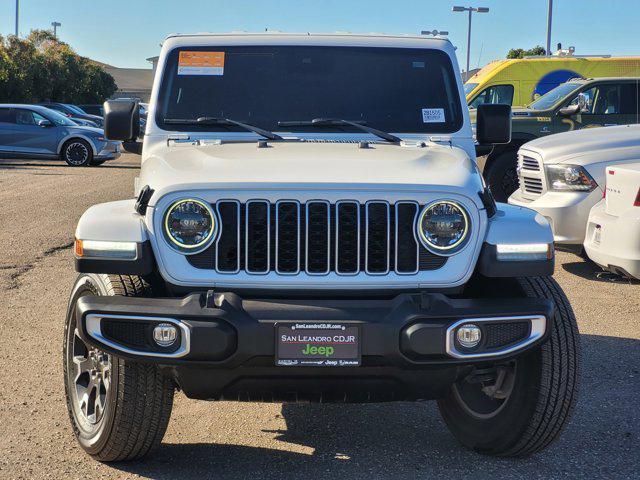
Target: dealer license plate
[{"x": 317, "y": 344}]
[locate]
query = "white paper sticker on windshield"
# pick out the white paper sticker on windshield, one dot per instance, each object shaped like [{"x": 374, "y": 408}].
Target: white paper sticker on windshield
[
  {"x": 201, "y": 63},
  {"x": 433, "y": 115}
]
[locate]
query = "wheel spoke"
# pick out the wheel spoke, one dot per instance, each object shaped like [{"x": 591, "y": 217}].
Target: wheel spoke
[{"x": 92, "y": 379}]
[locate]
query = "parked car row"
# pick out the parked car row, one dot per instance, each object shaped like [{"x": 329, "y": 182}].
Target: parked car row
[
  {"x": 586, "y": 183},
  {"x": 574, "y": 105},
  {"x": 41, "y": 132}
]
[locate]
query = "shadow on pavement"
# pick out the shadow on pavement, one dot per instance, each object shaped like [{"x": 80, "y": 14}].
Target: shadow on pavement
[
  {"x": 590, "y": 271},
  {"x": 33, "y": 163},
  {"x": 408, "y": 440}
]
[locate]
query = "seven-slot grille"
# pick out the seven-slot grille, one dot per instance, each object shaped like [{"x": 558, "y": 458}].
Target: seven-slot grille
[{"x": 317, "y": 237}]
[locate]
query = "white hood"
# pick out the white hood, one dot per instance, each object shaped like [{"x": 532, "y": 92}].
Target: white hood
[
  {"x": 307, "y": 165},
  {"x": 589, "y": 145}
]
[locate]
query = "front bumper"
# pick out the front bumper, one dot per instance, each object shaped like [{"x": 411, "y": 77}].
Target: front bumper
[
  {"x": 227, "y": 346},
  {"x": 616, "y": 247},
  {"x": 567, "y": 212},
  {"x": 110, "y": 151}
]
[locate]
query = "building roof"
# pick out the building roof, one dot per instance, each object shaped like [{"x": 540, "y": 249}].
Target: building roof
[{"x": 131, "y": 78}]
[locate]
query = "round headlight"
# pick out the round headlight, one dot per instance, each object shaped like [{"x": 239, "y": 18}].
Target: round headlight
[
  {"x": 190, "y": 225},
  {"x": 443, "y": 227}
]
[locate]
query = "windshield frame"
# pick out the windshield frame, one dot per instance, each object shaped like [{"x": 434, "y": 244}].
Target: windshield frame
[
  {"x": 458, "y": 107},
  {"x": 576, "y": 86}
]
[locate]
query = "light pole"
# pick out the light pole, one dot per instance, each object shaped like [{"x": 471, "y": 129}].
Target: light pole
[
  {"x": 549, "y": 27},
  {"x": 470, "y": 10},
  {"x": 17, "y": 15},
  {"x": 55, "y": 26}
]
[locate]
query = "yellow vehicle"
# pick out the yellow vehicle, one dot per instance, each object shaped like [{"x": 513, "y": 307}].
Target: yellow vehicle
[{"x": 519, "y": 82}]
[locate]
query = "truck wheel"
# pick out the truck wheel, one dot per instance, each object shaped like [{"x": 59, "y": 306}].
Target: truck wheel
[
  {"x": 502, "y": 176},
  {"x": 119, "y": 409},
  {"x": 526, "y": 404}
]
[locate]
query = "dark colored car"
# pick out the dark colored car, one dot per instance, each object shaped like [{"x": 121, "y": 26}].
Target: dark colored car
[
  {"x": 75, "y": 113},
  {"x": 92, "y": 109},
  {"x": 33, "y": 131},
  {"x": 573, "y": 105}
]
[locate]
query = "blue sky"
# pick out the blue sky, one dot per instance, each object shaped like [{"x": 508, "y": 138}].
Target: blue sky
[{"x": 124, "y": 33}]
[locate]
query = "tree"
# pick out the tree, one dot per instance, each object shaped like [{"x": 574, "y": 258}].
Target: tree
[
  {"x": 520, "y": 53},
  {"x": 41, "y": 68}
]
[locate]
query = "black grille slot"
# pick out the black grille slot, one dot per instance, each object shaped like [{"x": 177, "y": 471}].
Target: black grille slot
[
  {"x": 318, "y": 237},
  {"x": 529, "y": 163},
  {"x": 229, "y": 241},
  {"x": 504, "y": 334},
  {"x": 347, "y": 237},
  {"x": 258, "y": 240},
  {"x": 377, "y": 237},
  {"x": 288, "y": 237},
  {"x": 407, "y": 247},
  {"x": 532, "y": 185}
]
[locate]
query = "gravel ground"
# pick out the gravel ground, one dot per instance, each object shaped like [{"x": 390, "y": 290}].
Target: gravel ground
[{"x": 41, "y": 203}]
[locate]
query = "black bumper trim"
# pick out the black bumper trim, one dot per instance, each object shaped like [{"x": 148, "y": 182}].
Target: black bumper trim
[
  {"x": 144, "y": 264},
  {"x": 244, "y": 328},
  {"x": 489, "y": 265}
]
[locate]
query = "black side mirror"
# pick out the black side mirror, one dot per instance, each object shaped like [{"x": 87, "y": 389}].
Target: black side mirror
[
  {"x": 493, "y": 123},
  {"x": 45, "y": 123},
  {"x": 568, "y": 111},
  {"x": 121, "y": 120}
]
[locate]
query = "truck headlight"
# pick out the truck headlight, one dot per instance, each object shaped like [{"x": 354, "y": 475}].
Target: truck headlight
[
  {"x": 443, "y": 227},
  {"x": 190, "y": 225},
  {"x": 569, "y": 178}
]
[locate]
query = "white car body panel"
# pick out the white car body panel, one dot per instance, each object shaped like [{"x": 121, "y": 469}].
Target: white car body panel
[
  {"x": 593, "y": 149},
  {"x": 612, "y": 238},
  {"x": 112, "y": 221}
]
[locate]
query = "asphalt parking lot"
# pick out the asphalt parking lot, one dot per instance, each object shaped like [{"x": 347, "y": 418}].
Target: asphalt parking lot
[{"x": 41, "y": 202}]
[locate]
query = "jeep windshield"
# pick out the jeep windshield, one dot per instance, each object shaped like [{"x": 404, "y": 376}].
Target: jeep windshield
[
  {"x": 549, "y": 99},
  {"x": 389, "y": 89}
]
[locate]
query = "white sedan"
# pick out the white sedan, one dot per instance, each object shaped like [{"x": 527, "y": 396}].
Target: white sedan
[
  {"x": 612, "y": 238},
  {"x": 562, "y": 176}
]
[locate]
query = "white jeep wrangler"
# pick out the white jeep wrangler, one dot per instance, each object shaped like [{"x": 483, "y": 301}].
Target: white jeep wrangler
[{"x": 310, "y": 224}]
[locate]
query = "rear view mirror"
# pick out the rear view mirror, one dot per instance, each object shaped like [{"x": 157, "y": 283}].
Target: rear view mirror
[
  {"x": 121, "y": 120},
  {"x": 45, "y": 123},
  {"x": 493, "y": 123}
]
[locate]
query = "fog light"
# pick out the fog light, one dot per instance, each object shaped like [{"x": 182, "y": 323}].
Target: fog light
[
  {"x": 469, "y": 335},
  {"x": 165, "y": 334}
]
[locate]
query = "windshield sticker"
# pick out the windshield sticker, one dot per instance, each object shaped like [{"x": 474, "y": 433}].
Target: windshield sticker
[
  {"x": 201, "y": 63},
  {"x": 433, "y": 115}
]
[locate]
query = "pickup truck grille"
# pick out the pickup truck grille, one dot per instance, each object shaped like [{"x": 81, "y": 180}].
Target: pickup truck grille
[
  {"x": 529, "y": 163},
  {"x": 317, "y": 237},
  {"x": 531, "y": 176}
]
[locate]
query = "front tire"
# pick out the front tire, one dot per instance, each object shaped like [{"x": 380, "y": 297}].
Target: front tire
[
  {"x": 77, "y": 153},
  {"x": 537, "y": 394},
  {"x": 502, "y": 176},
  {"x": 119, "y": 409}
]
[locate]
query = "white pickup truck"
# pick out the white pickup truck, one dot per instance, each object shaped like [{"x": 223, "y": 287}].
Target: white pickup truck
[{"x": 310, "y": 225}]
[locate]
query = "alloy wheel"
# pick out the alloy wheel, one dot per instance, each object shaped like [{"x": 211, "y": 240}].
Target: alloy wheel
[
  {"x": 485, "y": 398},
  {"x": 91, "y": 379},
  {"x": 77, "y": 153}
]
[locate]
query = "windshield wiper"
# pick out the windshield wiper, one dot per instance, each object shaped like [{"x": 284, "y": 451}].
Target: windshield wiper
[
  {"x": 222, "y": 122},
  {"x": 320, "y": 122}
]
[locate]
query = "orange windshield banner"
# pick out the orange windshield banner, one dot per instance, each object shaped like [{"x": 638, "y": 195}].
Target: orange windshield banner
[{"x": 201, "y": 63}]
